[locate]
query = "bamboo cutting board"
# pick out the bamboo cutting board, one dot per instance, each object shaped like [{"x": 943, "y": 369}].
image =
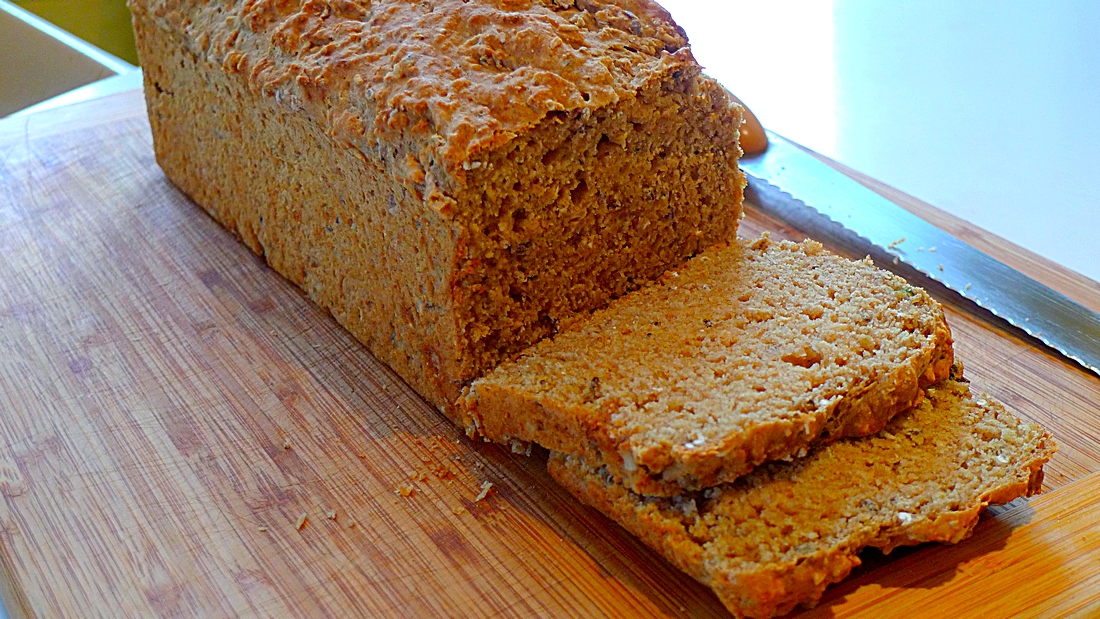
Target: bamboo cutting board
[{"x": 171, "y": 409}]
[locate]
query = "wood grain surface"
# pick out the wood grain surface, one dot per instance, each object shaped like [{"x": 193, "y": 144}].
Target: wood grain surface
[{"x": 170, "y": 408}]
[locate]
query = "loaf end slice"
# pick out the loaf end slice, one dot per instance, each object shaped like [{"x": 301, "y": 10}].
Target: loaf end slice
[
  {"x": 778, "y": 537},
  {"x": 750, "y": 352}
]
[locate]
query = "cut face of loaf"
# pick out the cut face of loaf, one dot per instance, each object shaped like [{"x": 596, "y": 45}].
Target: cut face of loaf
[
  {"x": 749, "y": 353},
  {"x": 449, "y": 178},
  {"x": 778, "y": 537}
]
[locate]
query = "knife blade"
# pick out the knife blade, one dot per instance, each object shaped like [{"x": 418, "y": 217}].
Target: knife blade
[{"x": 785, "y": 180}]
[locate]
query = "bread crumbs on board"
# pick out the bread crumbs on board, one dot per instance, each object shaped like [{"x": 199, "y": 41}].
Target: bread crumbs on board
[
  {"x": 485, "y": 488},
  {"x": 405, "y": 490},
  {"x": 301, "y": 521}
]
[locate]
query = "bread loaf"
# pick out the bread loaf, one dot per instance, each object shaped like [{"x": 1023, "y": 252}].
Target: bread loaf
[
  {"x": 748, "y": 353},
  {"x": 449, "y": 178},
  {"x": 780, "y": 536}
]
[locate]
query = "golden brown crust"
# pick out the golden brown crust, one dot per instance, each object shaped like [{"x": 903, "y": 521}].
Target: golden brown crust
[
  {"x": 749, "y": 353},
  {"x": 780, "y": 536},
  {"x": 448, "y": 79}
]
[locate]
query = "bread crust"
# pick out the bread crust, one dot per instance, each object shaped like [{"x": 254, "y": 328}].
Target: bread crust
[
  {"x": 779, "y": 537},
  {"x": 445, "y": 80}
]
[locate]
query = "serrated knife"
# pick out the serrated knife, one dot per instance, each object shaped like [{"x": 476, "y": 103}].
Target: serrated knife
[{"x": 785, "y": 181}]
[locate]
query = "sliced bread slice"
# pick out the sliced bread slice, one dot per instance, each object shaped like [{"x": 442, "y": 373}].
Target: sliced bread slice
[
  {"x": 749, "y": 353},
  {"x": 779, "y": 536}
]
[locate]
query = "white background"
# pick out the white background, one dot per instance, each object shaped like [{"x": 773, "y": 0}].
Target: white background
[{"x": 988, "y": 110}]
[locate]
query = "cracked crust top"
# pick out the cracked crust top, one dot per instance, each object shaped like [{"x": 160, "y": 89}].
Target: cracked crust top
[{"x": 441, "y": 80}]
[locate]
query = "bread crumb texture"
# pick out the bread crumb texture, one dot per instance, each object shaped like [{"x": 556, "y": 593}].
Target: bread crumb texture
[
  {"x": 450, "y": 179},
  {"x": 750, "y": 352},
  {"x": 778, "y": 537}
]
